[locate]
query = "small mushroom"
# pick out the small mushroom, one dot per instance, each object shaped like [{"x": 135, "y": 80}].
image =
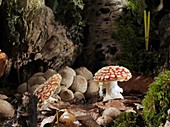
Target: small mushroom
[
  {"x": 92, "y": 89},
  {"x": 36, "y": 80},
  {"x": 67, "y": 118},
  {"x": 110, "y": 75},
  {"x": 66, "y": 95},
  {"x": 79, "y": 84},
  {"x": 6, "y": 109},
  {"x": 23, "y": 88},
  {"x": 83, "y": 71},
  {"x": 112, "y": 112},
  {"x": 49, "y": 73},
  {"x": 79, "y": 97},
  {"x": 47, "y": 89}
]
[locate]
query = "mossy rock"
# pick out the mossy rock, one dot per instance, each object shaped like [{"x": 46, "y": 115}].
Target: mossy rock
[
  {"x": 157, "y": 100},
  {"x": 128, "y": 119}
]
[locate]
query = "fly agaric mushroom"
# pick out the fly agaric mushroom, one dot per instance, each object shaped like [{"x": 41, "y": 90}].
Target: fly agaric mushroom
[
  {"x": 3, "y": 60},
  {"x": 110, "y": 75},
  {"x": 46, "y": 90}
]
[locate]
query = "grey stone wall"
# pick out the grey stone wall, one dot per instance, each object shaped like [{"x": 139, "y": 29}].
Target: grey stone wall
[{"x": 101, "y": 18}]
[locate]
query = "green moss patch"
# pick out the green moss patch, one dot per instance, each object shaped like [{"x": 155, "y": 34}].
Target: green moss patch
[{"x": 157, "y": 100}]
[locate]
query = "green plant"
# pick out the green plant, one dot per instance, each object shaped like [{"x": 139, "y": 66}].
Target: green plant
[
  {"x": 130, "y": 34},
  {"x": 157, "y": 100},
  {"x": 137, "y": 7},
  {"x": 128, "y": 119}
]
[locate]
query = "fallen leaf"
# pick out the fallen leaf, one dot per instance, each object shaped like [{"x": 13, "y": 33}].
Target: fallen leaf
[{"x": 49, "y": 119}]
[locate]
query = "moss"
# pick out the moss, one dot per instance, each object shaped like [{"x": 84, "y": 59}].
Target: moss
[
  {"x": 127, "y": 119},
  {"x": 13, "y": 20},
  {"x": 70, "y": 14},
  {"x": 137, "y": 7},
  {"x": 157, "y": 100}
]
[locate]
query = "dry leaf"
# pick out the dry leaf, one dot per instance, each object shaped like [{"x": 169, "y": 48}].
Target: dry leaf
[{"x": 49, "y": 119}]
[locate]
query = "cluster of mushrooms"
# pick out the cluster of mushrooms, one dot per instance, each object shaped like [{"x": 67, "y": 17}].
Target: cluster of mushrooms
[
  {"x": 78, "y": 85},
  {"x": 65, "y": 85}
]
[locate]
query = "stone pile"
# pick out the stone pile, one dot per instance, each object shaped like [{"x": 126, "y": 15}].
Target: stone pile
[{"x": 76, "y": 85}]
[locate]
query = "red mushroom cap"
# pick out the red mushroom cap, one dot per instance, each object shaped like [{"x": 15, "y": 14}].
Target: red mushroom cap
[
  {"x": 44, "y": 91},
  {"x": 3, "y": 56},
  {"x": 3, "y": 60},
  {"x": 112, "y": 73}
]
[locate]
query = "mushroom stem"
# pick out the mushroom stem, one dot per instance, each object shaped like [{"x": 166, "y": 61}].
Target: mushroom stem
[
  {"x": 100, "y": 89},
  {"x": 113, "y": 91}
]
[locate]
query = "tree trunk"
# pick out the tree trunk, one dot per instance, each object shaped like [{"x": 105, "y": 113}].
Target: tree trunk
[{"x": 32, "y": 39}]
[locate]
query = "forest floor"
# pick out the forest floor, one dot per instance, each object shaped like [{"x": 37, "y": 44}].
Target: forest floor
[{"x": 86, "y": 112}]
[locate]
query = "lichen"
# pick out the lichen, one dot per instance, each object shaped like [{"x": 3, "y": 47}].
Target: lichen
[{"x": 157, "y": 100}]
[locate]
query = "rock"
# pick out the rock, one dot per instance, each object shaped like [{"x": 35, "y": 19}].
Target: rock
[
  {"x": 79, "y": 97},
  {"x": 79, "y": 84},
  {"x": 36, "y": 80},
  {"x": 67, "y": 74},
  {"x": 104, "y": 120},
  {"x": 38, "y": 74},
  {"x": 6, "y": 109},
  {"x": 68, "y": 70},
  {"x": 23, "y": 88},
  {"x": 33, "y": 88},
  {"x": 49, "y": 73},
  {"x": 87, "y": 121},
  {"x": 83, "y": 71},
  {"x": 112, "y": 112},
  {"x": 66, "y": 95},
  {"x": 92, "y": 90}
]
